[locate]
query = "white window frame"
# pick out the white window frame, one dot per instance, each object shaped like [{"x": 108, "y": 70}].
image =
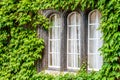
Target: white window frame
[
  {"x": 96, "y": 24},
  {"x": 57, "y": 60},
  {"x": 79, "y": 54}
]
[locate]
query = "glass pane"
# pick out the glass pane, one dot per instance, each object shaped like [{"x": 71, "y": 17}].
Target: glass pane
[
  {"x": 50, "y": 59},
  {"x": 92, "y": 61},
  {"x": 70, "y": 46},
  {"x": 57, "y": 33},
  {"x": 93, "y": 47},
  {"x": 93, "y": 17},
  {"x": 71, "y": 19},
  {"x": 78, "y": 17},
  {"x": 50, "y": 33},
  {"x": 74, "y": 32},
  {"x": 53, "y": 59},
  {"x": 57, "y": 46},
  {"x": 52, "y": 19},
  {"x": 74, "y": 46},
  {"x": 71, "y": 32},
  {"x": 78, "y": 32},
  {"x": 70, "y": 60},
  {"x": 58, "y": 59},
  {"x": 92, "y": 32},
  {"x": 51, "y": 44},
  {"x": 53, "y": 33},
  {"x": 77, "y": 46},
  {"x": 99, "y": 61},
  {"x": 77, "y": 61},
  {"x": 57, "y": 22}
]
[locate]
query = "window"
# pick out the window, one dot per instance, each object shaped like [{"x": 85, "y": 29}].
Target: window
[
  {"x": 94, "y": 42},
  {"x": 54, "y": 42},
  {"x": 73, "y": 40}
]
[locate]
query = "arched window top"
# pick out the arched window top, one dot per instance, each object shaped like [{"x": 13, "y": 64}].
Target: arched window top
[
  {"x": 94, "y": 16},
  {"x": 74, "y": 18},
  {"x": 55, "y": 19}
]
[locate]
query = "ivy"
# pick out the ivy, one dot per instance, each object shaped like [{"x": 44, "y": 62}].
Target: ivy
[{"x": 20, "y": 47}]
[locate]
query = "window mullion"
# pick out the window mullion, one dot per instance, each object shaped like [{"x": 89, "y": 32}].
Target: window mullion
[
  {"x": 76, "y": 54},
  {"x": 75, "y": 42},
  {"x": 55, "y": 41},
  {"x": 67, "y": 39}
]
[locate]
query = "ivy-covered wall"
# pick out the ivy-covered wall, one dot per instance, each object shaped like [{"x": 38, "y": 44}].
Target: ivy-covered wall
[{"x": 20, "y": 47}]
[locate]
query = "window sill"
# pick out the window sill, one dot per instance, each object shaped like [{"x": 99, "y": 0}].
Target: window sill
[{"x": 53, "y": 72}]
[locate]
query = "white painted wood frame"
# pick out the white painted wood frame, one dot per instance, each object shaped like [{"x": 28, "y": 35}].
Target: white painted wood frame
[
  {"x": 54, "y": 42},
  {"x": 73, "y": 40},
  {"x": 95, "y": 61}
]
